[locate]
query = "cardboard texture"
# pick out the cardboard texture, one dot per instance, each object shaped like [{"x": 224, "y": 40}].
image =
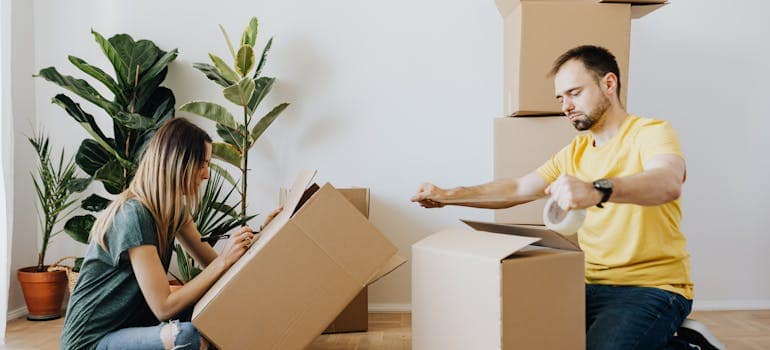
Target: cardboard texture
[
  {"x": 298, "y": 276},
  {"x": 536, "y": 33},
  {"x": 355, "y": 316},
  {"x": 490, "y": 290},
  {"x": 521, "y": 145},
  {"x": 506, "y": 6}
]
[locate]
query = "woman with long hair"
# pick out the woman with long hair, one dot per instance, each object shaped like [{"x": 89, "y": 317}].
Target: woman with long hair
[{"x": 122, "y": 293}]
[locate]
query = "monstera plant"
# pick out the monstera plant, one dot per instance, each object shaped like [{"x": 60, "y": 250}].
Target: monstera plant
[
  {"x": 246, "y": 91},
  {"x": 137, "y": 108}
]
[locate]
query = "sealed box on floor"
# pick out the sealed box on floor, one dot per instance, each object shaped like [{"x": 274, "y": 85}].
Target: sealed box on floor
[
  {"x": 308, "y": 264},
  {"x": 536, "y": 33},
  {"x": 355, "y": 316},
  {"x": 487, "y": 290},
  {"x": 521, "y": 145}
]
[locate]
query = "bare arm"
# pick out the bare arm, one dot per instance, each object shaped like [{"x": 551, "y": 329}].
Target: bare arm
[
  {"x": 190, "y": 239},
  {"x": 154, "y": 286},
  {"x": 660, "y": 182},
  {"x": 493, "y": 195}
]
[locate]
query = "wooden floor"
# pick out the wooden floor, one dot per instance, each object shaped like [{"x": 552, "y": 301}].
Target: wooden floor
[{"x": 738, "y": 330}]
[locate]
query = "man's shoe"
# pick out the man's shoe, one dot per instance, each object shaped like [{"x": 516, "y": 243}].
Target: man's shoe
[{"x": 697, "y": 334}]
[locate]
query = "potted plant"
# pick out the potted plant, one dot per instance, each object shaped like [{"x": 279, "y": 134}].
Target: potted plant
[
  {"x": 246, "y": 92},
  {"x": 54, "y": 183}
]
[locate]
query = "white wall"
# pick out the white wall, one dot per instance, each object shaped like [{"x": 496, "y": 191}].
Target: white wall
[
  {"x": 703, "y": 65},
  {"x": 6, "y": 156},
  {"x": 390, "y": 94}
]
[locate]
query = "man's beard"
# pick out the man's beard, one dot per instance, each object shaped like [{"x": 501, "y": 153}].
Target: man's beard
[{"x": 588, "y": 120}]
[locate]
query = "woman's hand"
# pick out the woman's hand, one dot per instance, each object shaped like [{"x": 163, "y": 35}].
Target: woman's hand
[
  {"x": 272, "y": 216},
  {"x": 237, "y": 245}
]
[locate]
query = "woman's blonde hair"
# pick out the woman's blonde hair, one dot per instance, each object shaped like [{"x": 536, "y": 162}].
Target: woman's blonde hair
[{"x": 165, "y": 181}]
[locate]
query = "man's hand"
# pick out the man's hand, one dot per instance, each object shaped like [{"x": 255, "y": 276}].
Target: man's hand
[
  {"x": 572, "y": 193},
  {"x": 429, "y": 195}
]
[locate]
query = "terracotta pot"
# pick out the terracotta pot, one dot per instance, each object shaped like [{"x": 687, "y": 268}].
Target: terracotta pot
[
  {"x": 174, "y": 285},
  {"x": 43, "y": 292}
]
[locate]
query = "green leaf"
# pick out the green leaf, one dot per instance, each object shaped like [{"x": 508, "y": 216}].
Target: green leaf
[
  {"x": 97, "y": 73},
  {"x": 210, "y": 111},
  {"x": 266, "y": 121},
  {"x": 84, "y": 119},
  {"x": 112, "y": 54},
  {"x": 79, "y": 227},
  {"x": 249, "y": 36},
  {"x": 80, "y": 184},
  {"x": 211, "y": 73},
  {"x": 263, "y": 60},
  {"x": 159, "y": 66},
  {"x": 95, "y": 203},
  {"x": 224, "y": 70},
  {"x": 77, "y": 265},
  {"x": 91, "y": 156},
  {"x": 222, "y": 172},
  {"x": 227, "y": 153},
  {"x": 240, "y": 93},
  {"x": 232, "y": 136},
  {"x": 134, "y": 121},
  {"x": 79, "y": 87},
  {"x": 138, "y": 56},
  {"x": 262, "y": 87},
  {"x": 112, "y": 177},
  {"x": 228, "y": 41},
  {"x": 244, "y": 61}
]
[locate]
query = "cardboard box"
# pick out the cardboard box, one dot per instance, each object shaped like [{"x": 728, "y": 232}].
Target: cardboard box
[
  {"x": 536, "y": 33},
  {"x": 355, "y": 316},
  {"x": 308, "y": 264},
  {"x": 521, "y": 145},
  {"x": 488, "y": 290},
  {"x": 639, "y": 8}
]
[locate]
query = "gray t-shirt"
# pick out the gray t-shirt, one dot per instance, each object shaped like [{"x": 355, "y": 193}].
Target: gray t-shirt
[{"x": 107, "y": 296}]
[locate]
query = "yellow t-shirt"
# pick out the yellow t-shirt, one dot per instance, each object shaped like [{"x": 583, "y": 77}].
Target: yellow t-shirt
[{"x": 628, "y": 244}]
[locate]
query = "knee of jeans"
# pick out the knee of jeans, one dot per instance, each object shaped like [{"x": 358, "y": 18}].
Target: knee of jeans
[{"x": 180, "y": 335}]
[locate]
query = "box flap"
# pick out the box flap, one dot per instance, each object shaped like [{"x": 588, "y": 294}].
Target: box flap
[
  {"x": 490, "y": 246},
  {"x": 395, "y": 262},
  {"x": 546, "y": 237},
  {"x": 644, "y": 10}
]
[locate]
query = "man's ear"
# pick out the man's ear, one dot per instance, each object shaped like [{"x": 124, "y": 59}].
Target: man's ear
[{"x": 609, "y": 84}]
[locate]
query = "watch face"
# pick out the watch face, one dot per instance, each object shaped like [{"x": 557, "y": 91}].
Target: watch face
[{"x": 603, "y": 183}]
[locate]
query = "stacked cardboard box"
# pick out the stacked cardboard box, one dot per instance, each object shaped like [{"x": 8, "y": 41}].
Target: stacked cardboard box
[{"x": 489, "y": 289}]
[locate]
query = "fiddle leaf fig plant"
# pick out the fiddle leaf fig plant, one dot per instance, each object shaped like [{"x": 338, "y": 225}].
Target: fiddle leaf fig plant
[{"x": 137, "y": 108}]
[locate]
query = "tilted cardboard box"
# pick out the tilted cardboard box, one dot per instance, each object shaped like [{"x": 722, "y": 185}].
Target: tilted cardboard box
[
  {"x": 308, "y": 264},
  {"x": 487, "y": 290},
  {"x": 522, "y": 145},
  {"x": 355, "y": 316}
]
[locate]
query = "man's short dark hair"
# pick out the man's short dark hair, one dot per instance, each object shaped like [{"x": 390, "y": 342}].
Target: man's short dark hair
[{"x": 596, "y": 59}]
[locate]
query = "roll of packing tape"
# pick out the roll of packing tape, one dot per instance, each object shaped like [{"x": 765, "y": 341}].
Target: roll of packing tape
[{"x": 562, "y": 221}]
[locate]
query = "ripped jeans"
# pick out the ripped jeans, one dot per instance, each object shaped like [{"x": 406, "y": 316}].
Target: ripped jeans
[{"x": 149, "y": 338}]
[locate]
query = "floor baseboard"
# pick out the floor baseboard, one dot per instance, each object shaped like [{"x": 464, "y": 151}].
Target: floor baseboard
[
  {"x": 390, "y": 307},
  {"x": 726, "y": 305},
  {"x": 14, "y": 314}
]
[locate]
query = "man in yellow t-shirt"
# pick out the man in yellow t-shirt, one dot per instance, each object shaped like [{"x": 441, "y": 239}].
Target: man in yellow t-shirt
[{"x": 627, "y": 172}]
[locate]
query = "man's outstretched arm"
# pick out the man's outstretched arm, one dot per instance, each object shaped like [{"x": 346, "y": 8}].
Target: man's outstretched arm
[{"x": 492, "y": 195}]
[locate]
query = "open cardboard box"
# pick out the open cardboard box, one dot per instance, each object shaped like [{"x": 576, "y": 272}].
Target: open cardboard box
[
  {"x": 355, "y": 316},
  {"x": 490, "y": 289},
  {"x": 308, "y": 264}
]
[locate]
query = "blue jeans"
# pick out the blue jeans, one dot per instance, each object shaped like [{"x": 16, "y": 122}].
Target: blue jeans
[
  {"x": 148, "y": 338},
  {"x": 627, "y": 318}
]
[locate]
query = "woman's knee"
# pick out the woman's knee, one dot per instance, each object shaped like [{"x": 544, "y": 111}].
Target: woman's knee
[{"x": 180, "y": 335}]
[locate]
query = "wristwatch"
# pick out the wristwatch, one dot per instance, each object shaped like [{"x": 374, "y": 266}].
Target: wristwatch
[{"x": 605, "y": 187}]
